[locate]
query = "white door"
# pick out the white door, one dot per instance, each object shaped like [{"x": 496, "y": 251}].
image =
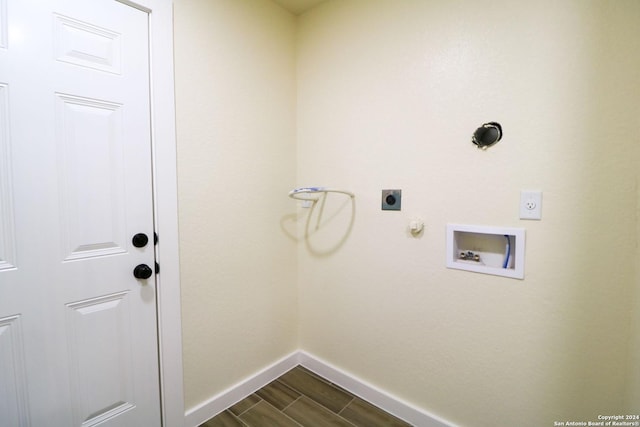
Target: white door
[{"x": 78, "y": 341}]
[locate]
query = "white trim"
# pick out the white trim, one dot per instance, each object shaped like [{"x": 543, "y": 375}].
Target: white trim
[
  {"x": 166, "y": 207},
  {"x": 372, "y": 394},
  {"x": 383, "y": 400},
  {"x": 166, "y": 200},
  {"x": 212, "y": 407}
]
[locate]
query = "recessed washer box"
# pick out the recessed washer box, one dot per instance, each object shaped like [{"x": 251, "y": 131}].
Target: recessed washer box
[{"x": 488, "y": 250}]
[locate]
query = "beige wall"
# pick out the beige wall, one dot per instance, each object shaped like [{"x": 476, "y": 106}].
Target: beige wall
[
  {"x": 389, "y": 93},
  {"x": 365, "y": 95},
  {"x": 235, "y": 98}
]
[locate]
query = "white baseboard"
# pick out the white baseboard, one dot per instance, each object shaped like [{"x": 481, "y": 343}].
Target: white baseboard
[
  {"x": 403, "y": 410},
  {"x": 218, "y": 403},
  {"x": 371, "y": 394}
]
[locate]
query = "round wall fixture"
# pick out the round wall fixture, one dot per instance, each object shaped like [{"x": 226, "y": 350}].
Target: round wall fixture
[{"x": 487, "y": 135}]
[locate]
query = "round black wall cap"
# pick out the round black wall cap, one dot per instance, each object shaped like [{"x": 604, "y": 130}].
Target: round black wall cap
[{"x": 487, "y": 135}]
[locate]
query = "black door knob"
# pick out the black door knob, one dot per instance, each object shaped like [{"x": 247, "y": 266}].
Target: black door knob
[
  {"x": 142, "y": 271},
  {"x": 140, "y": 240}
]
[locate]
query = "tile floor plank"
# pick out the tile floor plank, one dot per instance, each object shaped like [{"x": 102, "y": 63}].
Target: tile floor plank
[
  {"x": 309, "y": 413},
  {"x": 321, "y": 391},
  {"x": 224, "y": 419},
  {"x": 263, "y": 415},
  {"x": 278, "y": 394},
  {"x": 364, "y": 414},
  {"x": 245, "y": 404}
]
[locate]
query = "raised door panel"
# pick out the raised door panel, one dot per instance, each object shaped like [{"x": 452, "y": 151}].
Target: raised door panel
[
  {"x": 7, "y": 233},
  {"x": 100, "y": 358},
  {"x": 13, "y": 381},
  {"x": 3, "y": 24},
  {"x": 91, "y": 155},
  {"x": 81, "y": 43}
]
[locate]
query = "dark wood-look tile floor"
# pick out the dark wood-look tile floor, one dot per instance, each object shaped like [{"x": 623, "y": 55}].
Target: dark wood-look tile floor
[{"x": 301, "y": 398}]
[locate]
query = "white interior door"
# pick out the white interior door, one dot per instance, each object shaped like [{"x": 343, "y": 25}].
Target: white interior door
[{"x": 78, "y": 341}]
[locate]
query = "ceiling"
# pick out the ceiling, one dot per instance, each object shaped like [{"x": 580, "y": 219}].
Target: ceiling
[{"x": 298, "y": 6}]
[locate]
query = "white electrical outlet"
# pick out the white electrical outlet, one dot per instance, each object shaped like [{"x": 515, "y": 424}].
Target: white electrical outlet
[{"x": 531, "y": 204}]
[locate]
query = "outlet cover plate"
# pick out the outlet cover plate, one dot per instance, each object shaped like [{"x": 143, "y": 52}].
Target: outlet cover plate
[{"x": 531, "y": 205}]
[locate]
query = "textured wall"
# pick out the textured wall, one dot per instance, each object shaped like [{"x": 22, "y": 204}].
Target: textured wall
[
  {"x": 235, "y": 95},
  {"x": 389, "y": 93}
]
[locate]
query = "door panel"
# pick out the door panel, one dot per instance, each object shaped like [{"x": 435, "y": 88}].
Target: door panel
[
  {"x": 3, "y": 24},
  {"x": 7, "y": 244},
  {"x": 100, "y": 352},
  {"x": 78, "y": 338},
  {"x": 13, "y": 387},
  {"x": 92, "y": 191},
  {"x": 86, "y": 45}
]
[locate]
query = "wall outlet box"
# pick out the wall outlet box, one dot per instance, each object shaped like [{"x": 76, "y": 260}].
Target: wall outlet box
[{"x": 391, "y": 200}]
